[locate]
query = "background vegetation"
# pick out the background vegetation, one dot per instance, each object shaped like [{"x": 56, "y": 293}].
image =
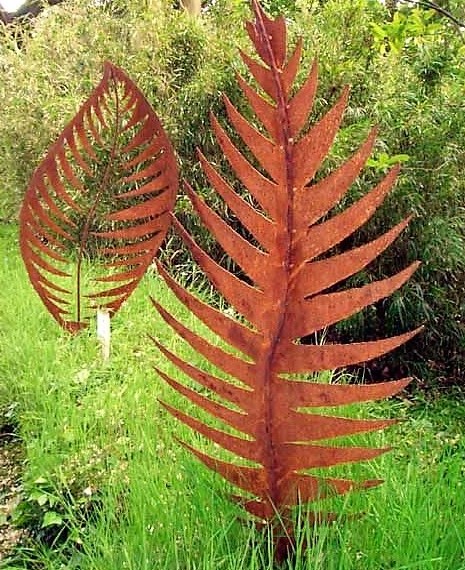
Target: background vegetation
[{"x": 407, "y": 75}]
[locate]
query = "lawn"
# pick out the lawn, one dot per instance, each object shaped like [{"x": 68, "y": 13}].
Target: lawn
[{"x": 106, "y": 485}]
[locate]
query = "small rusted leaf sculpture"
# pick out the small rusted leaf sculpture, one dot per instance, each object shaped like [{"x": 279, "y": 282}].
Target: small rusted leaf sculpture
[
  {"x": 102, "y": 193},
  {"x": 284, "y": 297}
]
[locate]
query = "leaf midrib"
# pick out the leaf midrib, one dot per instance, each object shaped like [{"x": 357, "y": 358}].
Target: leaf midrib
[
  {"x": 270, "y": 459},
  {"x": 91, "y": 213}
]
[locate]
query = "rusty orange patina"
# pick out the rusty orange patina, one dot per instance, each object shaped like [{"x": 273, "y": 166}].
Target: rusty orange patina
[
  {"x": 285, "y": 296},
  {"x": 104, "y": 190}
]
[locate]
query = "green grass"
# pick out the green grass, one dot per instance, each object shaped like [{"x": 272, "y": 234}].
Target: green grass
[{"x": 103, "y": 465}]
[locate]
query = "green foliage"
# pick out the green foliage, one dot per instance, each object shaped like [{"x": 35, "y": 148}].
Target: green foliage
[
  {"x": 181, "y": 64},
  {"x": 412, "y": 27},
  {"x": 407, "y": 75}
]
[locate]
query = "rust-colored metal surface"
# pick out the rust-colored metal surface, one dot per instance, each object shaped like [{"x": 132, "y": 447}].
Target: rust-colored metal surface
[
  {"x": 97, "y": 207},
  {"x": 286, "y": 297}
]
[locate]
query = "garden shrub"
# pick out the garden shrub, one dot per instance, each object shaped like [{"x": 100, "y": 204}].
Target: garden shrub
[{"x": 407, "y": 75}]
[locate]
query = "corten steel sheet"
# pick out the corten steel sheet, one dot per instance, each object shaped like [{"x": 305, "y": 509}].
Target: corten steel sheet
[
  {"x": 285, "y": 297},
  {"x": 103, "y": 191}
]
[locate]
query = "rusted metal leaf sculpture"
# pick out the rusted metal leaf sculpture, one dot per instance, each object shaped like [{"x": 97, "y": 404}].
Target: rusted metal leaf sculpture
[
  {"x": 103, "y": 193},
  {"x": 285, "y": 296}
]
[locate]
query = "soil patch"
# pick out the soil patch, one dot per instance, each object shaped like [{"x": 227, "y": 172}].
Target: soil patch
[{"x": 10, "y": 490}]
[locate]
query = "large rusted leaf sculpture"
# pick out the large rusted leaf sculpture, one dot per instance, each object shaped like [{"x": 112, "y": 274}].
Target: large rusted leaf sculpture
[
  {"x": 285, "y": 296},
  {"x": 103, "y": 194}
]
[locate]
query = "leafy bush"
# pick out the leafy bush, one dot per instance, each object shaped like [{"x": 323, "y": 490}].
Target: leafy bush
[
  {"x": 181, "y": 64},
  {"x": 406, "y": 73},
  {"x": 414, "y": 93}
]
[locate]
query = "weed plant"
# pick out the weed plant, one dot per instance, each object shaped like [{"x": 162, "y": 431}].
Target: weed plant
[{"x": 106, "y": 486}]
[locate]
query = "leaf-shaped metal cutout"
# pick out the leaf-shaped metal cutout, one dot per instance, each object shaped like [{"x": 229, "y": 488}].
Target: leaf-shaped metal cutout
[
  {"x": 289, "y": 298},
  {"x": 103, "y": 193}
]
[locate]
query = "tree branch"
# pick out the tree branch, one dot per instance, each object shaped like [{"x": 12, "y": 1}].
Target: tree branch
[{"x": 440, "y": 10}]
